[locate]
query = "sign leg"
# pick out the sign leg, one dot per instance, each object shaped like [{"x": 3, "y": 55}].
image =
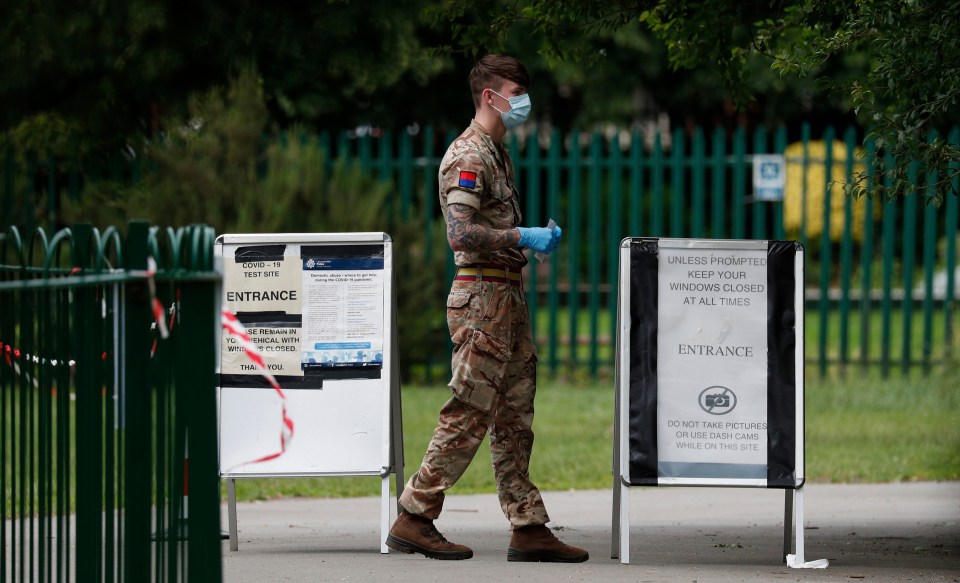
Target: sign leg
[
  {"x": 798, "y": 497},
  {"x": 615, "y": 531},
  {"x": 232, "y": 513},
  {"x": 384, "y": 512},
  {"x": 787, "y": 523},
  {"x": 624, "y": 523}
]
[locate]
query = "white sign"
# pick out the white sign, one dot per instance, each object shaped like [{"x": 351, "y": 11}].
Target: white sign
[
  {"x": 261, "y": 282},
  {"x": 769, "y": 176},
  {"x": 712, "y": 361},
  {"x": 279, "y": 347},
  {"x": 343, "y": 314},
  {"x": 263, "y": 286}
]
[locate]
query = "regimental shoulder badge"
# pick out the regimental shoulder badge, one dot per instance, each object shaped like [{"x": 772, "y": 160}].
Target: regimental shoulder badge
[{"x": 467, "y": 179}]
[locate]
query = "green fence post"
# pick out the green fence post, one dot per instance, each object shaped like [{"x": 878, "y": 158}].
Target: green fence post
[
  {"x": 759, "y": 207},
  {"x": 90, "y": 470},
  {"x": 385, "y": 167},
  {"x": 779, "y": 147},
  {"x": 11, "y": 254},
  {"x": 739, "y": 201},
  {"x": 7, "y": 213},
  {"x": 909, "y": 257},
  {"x": 826, "y": 260},
  {"x": 677, "y": 184},
  {"x": 656, "y": 179},
  {"x": 614, "y": 235},
  {"x": 199, "y": 318},
  {"x": 594, "y": 244},
  {"x": 804, "y": 182},
  {"x": 698, "y": 170},
  {"x": 866, "y": 267},
  {"x": 532, "y": 195},
  {"x": 951, "y": 239},
  {"x": 428, "y": 216},
  {"x": 137, "y": 475},
  {"x": 889, "y": 244},
  {"x": 929, "y": 258},
  {"x": 553, "y": 209},
  {"x": 846, "y": 249},
  {"x": 573, "y": 248},
  {"x": 406, "y": 174},
  {"x": 343, "y": 147},
  {"x": 451, "y": 267},
  {"x": 20, "y": 491},
  {"x": 65, "y": 441},
  {"x": 365, "y": 153},
  {"x": 718, "y": 183},
  {"x": 636, "y": 184}
]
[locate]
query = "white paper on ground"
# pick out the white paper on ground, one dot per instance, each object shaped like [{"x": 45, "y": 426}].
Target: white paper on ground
[{"x": 818, "y": 564}]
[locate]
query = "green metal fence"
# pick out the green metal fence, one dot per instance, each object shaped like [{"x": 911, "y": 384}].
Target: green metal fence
[
  {"x": 96, "y": 407},
  {"x": 880, "y": 285}
]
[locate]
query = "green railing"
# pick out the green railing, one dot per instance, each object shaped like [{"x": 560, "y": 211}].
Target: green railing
[
  {"x": 879, "y": 282},
  {"x": 880, "y": 285},
  {"x": 96, "y": 407}
]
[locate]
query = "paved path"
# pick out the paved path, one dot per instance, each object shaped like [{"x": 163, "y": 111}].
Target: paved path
[{"x": 869, "y": 532}]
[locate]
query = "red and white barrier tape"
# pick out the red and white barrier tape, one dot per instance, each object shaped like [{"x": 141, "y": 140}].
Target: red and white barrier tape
[
  {"x": 13, "y": 356},
  {"x": 156, "y": 305},
  {"x": 236, "y": 329}
]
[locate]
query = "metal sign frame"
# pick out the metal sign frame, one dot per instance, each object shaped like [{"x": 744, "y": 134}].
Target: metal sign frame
[
  {"x": 321, "y": 386},
  {"x": 636, "y": 424}
]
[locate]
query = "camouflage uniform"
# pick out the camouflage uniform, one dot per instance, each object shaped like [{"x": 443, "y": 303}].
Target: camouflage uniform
[{"x": 494, "y": 357}]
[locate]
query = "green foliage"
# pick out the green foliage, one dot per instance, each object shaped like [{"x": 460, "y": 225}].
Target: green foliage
[
  {"x": 907, "y": 95},
  {"x": 895, "y": 63},
  {"x": 45, "y": 135},
  {"x": 221, "y": 169},
  {"x": 117, "y": 70}
]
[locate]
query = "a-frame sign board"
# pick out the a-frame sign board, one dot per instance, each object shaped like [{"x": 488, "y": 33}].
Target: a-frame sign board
[
  {"x": 321, "y": 311},
  {"x": 709, "y": 388}
]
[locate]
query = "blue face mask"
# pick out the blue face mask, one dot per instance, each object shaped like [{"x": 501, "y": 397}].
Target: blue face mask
[{"x": 519, "y": 110}]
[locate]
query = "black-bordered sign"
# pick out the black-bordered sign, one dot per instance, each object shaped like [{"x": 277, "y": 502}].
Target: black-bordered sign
[{"x": 710, "y": 363}]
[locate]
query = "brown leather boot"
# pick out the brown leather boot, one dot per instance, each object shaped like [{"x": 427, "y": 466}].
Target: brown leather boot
[
  {"x": 535, "y": 543},
  {"x": 415, "y": 534}
]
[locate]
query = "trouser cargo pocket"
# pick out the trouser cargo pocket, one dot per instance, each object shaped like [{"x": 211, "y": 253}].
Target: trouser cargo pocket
[{"x": 481, "y": 350}]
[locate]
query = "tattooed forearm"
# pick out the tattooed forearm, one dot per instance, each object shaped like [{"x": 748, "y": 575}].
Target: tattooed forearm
[{"x": 464, "y": 234}]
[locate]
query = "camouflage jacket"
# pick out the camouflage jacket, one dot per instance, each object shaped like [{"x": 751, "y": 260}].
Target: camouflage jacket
[{"x": 479, "y": 173}]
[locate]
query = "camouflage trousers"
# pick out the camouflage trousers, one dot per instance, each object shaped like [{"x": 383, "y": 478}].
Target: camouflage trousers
[{"x": 494, "y": 384}]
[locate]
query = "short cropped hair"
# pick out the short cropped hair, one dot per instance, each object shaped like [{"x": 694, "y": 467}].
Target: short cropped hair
[{"x": 492, "y": 70}]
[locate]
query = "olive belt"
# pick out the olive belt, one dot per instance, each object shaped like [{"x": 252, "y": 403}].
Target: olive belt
[{"x": 490, "y": 272}]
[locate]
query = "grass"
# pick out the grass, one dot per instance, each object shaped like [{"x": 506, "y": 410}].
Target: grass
[
  {"x": 858, "y": 429},
  {"x": 574, "y": 433},
  {"x": 863, "y": 429}
]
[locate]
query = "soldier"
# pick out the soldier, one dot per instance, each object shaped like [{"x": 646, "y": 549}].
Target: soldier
[{"x": 494, "y": 357}]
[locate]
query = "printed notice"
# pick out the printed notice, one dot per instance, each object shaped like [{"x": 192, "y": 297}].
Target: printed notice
[
  {"x": 343, "y": 311},
  {"x": 279, "y": 347},
  {"x": 263, "y": 286},
  {"x": 712, "y": 360},
  {"x": 259, "y": 280}
]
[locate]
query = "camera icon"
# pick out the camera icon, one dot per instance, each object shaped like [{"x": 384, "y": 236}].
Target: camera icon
[{"x": 717, "y": 400}]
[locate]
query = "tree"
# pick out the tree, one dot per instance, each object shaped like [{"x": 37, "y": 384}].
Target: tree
[
  {"x": 105, "y": 71},
  {"x": 897, "y": 62}
]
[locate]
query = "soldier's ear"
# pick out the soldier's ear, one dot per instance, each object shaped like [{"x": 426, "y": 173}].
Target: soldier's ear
[{"x": 487, "y": 96}]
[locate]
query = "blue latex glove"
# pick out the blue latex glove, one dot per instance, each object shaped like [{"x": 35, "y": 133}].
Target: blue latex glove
[{"x": 539, "y": 239}]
